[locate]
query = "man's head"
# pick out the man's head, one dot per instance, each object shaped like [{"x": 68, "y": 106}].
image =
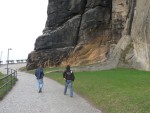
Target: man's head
[
  {"x": 39, "y": 65},
  {"x": 68, "y": 67}
]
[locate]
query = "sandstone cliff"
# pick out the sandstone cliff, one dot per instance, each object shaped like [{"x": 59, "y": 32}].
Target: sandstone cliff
[
  {"x": 80, "y": 32},
  {"x": 140, "y": 34}
]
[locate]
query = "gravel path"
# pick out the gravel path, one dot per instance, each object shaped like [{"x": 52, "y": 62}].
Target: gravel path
[{"x": 24, "y": 97}]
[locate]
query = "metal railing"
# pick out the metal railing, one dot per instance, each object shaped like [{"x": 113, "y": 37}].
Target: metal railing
[{"x": 8, "y": 81}]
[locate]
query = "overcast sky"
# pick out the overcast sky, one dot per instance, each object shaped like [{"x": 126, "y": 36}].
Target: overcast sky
[{"x": 21, "y": 22}]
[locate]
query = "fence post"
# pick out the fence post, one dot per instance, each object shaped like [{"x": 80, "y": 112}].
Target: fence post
[
  {"x": 6, "y": 84},
  {"x": 16, "y": 74},
  {"x": 11, "y": 77}
]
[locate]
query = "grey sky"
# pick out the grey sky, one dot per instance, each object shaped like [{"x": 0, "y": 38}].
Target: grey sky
[{"x": 21, "y": 22}]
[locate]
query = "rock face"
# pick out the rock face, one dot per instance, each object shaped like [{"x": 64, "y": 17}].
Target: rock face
[
  {"x": 141, "y": 35},
  {"x": 119, "y": 16},
  {"x": 136, "y": 54},
  {"x": 82, "y": 31},
  {"x": 70, "y": 23}
]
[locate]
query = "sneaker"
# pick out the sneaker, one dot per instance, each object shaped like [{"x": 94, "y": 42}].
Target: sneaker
[{"x": 40, "y": 90}]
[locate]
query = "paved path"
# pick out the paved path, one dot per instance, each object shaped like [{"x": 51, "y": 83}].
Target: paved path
[{"x": 24, "y": 97}]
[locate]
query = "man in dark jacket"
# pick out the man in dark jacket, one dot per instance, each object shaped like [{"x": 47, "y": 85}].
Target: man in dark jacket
[
  {"x": 39, "y": 75},
  {"x": 69, "y": 77}
]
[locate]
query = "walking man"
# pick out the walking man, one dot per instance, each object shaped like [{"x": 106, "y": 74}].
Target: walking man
[
  {"x": 39, "y": 75},
  {"x": 69, "y": 77}
]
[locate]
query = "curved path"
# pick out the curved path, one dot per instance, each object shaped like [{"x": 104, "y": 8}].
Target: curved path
[{"x": 24, "y": 97}]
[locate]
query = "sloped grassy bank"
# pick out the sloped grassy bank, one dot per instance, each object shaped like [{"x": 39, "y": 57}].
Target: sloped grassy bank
[{"x": 113, "y": 91}]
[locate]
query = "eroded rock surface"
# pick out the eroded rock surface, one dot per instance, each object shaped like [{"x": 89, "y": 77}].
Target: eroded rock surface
[{"x": 80, "y": 32}]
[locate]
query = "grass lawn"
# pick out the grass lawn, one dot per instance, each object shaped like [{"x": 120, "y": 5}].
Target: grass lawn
[
  {"x": 8, "y": 87},
  {"x": 1, "y": 90},
  {"x": 113, "y": 91},
  {"x": 1, "y": 75}
]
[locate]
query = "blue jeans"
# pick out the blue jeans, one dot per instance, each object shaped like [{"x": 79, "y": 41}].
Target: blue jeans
[
  {"x": 40, "y": 84},
  {"x": 68, "y": 82}
]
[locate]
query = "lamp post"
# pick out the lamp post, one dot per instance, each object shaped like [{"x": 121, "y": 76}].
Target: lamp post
[{"x": 8, "y": 60}]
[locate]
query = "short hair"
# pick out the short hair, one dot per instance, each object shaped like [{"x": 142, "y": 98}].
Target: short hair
[
  {"x": 39, "y": 64},
  {"x": 68, "y": 67}
]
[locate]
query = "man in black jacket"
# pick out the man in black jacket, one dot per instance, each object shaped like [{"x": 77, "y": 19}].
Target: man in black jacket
[{"x": 69, "y": 77}]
